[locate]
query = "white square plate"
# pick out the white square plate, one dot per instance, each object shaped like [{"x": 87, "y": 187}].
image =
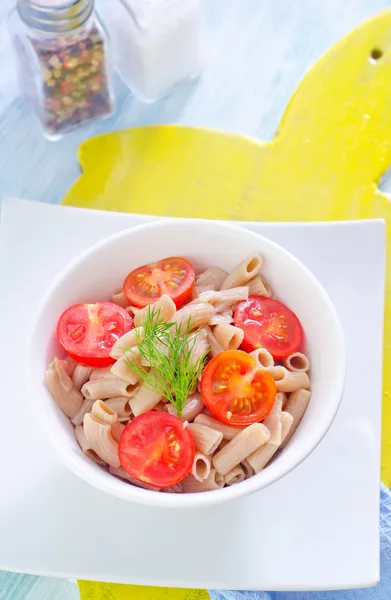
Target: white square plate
[{"x": 317, "y": 528}]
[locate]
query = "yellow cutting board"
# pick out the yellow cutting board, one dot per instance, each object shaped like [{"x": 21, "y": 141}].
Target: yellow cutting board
[{"x": 332, "y": 146}]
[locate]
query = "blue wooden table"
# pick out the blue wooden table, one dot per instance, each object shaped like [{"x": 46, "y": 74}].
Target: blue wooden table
[{"x": 256, "y": 53}]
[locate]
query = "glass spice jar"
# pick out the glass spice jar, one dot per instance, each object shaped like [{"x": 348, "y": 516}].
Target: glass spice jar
[{"x": 62, "y": 52}]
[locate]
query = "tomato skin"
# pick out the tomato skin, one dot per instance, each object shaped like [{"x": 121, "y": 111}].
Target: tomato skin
[
  {"x": 87, "y": 332},
  {"x": 235, "y": 390},
  {"x": 268, "y": 323},
  {"x": 156, "y": 448},
  {"x": 173, "y": 276}
]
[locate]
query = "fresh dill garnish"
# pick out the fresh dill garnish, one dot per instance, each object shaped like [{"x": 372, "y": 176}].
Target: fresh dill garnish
[{"x": 168, "y": 349}]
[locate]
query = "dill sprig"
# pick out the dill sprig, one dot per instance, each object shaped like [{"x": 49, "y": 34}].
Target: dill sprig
[{"x": 167, "y": 348}]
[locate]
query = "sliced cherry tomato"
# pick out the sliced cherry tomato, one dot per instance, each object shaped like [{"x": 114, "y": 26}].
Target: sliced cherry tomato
[
  {"x": 235, "y": 390},
  {"x": 89, "y": 331},
  {"x": 269, "y": 324},
  {"x": 172, "y": 276},
  {"x": 156, "y": 449}
]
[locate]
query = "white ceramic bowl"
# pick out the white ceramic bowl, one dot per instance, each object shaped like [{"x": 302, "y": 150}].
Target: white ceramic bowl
[{"x": 93, "y": 276}]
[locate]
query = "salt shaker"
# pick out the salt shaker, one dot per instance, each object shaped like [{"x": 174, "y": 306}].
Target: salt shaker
[
  {"x": 156, "y": 43},
  {"x": 62, "y": 53}
]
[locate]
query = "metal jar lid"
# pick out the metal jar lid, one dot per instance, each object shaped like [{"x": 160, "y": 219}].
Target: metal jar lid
[{"x": 55, "y": 16}]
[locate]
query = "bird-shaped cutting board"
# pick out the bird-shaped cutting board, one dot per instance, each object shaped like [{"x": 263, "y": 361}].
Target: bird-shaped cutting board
[{"x": 332, "y": 147}]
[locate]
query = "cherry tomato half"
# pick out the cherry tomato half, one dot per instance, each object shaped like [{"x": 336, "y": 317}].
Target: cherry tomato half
[
  {"x": 268, "y": 324},
  {"x": 235, "y": 390},
  {"x": 172, "y": 276},
  {"x": 156, "y": 449},
  {"x": 89, "y": 331}
]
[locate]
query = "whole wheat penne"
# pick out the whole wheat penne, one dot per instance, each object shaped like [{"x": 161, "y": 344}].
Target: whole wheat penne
[
  {"x": 224, "y": 317},
  {"x": 296, "y": 406},
  {"x": 258, "y": 286},
  {"x": 85, "y": 446},
  {"x": 206, "y": 439},
  {"x": 213, "y": 277},
  {"x": 273, "y": 421},
  {"x": 214, "y": 481},
  {"x": 108, "y": 388},
  {"x": 244, "y": 444},
  {"x": 288, "y": 381},
  {"x": 118, "y": 297},
  {"x": 228, "y": 432},
  {"x": 244, "y": 272},
  {"x": 120, "y": 405},
  {"x": 297, "y": 362},
  {"x": 100, "y": 439},
  {"x": 201, "y": 466},
  {"x": 225, "y": 298},
  {"x": 122, "y": 368},
  {"x": 215, "y": 347},
  {"x": 102, "y": 373},
  {"x": 228, "y": 336},
  {"x": 126, "y": 342},
  {"x": 259, "y": 459},
  {"x": 236, "y": 475},
  {"x": 85, "y": 408},
  {"x": 164, "y": 309},
  {"x": 60, "y": 385},
  {"x": 103, "y": 413},
  {"x": 193, "y": 407},
  {"x": 192, "y": 316},
  {"x": 144, "y": 400},
  {"x": 80, "y": 376},
  {"x": 263, "y": 358}
]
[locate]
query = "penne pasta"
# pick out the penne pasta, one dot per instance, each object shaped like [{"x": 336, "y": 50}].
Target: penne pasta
[
  {"x": 263, "y": 358},
  {"x": 199, "y": 289},
  {"x": 85, "y": 408},
  {"x": 122, "y": 367},
  {"x": 238, "y": 449},
  {"x": 224, "y": 317},
  {"x": 214, "y": 345},
  {"x": 126, "y": 342},
  {"x": 165, "y": 310},
  {"x": 247, "y": 469},
  {"x": 70, "y": 365},
  {"x": 296, "y": 406},
  {"x": 236, "y": 475},
  {"x": 85, "y": 446},
  {"x": 225, "y": 298},
  {"x": 228, "y": 431},
  {"x": 244, "y": 272},
  {"x": 273, "y": 421},
  {"x": 100, "y": 439},
  {"x": 144, "y": 400},
  {"x": 120, "y": 405},
  {"x": 228, "y": 336},
  {"x": 118, "y": 297},
  {"x": 80, "y": 376},
  {"x": 206, "y": 439},
  {"x": 297, "y": 362},
  {"x": 259, "y": 459},
  {"x": 102, "y": 373},
  {"x": 174, "y": 489},
  {"x": 108, "y": 388},
  {"x": 193, "y": 407},
  {"x": 192, "y": 316},
  {"x": 212, "y": 277},
  {"x": 198, "y": 345},
  {"x": 201, "y": 467},
  {"x": 103, "y": 413},
  {"x": 258, "y": 286},
  {"x": 288, "y": 381},
  {"x": 214, "y": 481},
  {"x": 60, "y": 385}
]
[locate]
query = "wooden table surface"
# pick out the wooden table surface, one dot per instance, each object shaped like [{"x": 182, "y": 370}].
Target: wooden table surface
[{"x": 256, "y": 53}]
